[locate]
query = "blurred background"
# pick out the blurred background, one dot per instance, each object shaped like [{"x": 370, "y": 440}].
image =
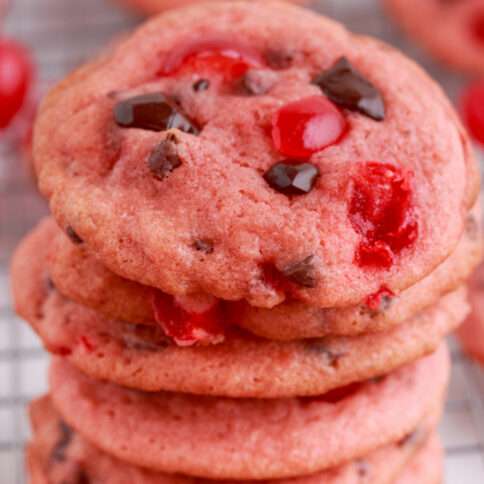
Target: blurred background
[{"x": 61, "y": 34}]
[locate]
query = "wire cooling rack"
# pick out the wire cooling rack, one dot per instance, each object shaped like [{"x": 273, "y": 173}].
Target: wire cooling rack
[{"x": 62, "y": 34}]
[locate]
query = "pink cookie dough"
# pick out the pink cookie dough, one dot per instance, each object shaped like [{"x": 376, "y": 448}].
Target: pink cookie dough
[
  {"x": 142, "y": 357},
  {"x": 59, "y": 454},
  {"x": 221, "y": 438},
  {"x": 196, "y": 204},
  {"x": 82, "y": 278}
]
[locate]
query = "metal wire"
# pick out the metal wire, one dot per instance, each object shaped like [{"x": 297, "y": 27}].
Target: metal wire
[{"x": 63, "y": 33}]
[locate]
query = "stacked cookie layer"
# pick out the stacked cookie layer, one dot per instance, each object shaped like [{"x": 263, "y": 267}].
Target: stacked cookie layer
[{"x": 260, "y": 232}]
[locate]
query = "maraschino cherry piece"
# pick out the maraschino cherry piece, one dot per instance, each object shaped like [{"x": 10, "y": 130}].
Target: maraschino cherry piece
[
  {"x": 472, "y": 107},
  {"x": 188, "y": 321},
  {"x": 15, "y": 78},
  {"x": 380, "y": 300},
  {"x": 306, "y": 126},
  {"x": 218, "y": 55},
  {"x": 381, "y": 211}
]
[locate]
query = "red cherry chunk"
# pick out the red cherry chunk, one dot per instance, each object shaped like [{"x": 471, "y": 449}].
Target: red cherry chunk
[
  {"x": 381, "y": 211},
  {"x": 472, "y": 107},
  {"x": 381, "y": 299},
  {"x": 15, "y": 78},
  {"x": 188, "y": 321},
  {"x": 304, "y": 127},
  {"x": 220, "y": 56}
]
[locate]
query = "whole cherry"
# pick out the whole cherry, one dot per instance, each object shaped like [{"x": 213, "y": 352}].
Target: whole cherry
[
  {"x": 16, "y": 73},
  {"x": 472, "y": 108}
]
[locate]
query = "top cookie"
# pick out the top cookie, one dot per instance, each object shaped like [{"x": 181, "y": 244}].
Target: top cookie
[
  {"x": 452, "y": 31},
  {"x": 268, "y": 155}
]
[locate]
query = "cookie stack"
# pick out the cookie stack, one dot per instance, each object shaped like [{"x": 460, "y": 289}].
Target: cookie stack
[{"x": 261, "y": 226}]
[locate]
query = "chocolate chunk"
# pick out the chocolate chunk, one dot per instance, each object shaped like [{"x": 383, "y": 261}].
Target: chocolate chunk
[
  {"x": 362, "y": 468},
  {"x": 153, "y": 112},
  {"x": 58, "y": 453},
  {"x": 77, "y": 476},
  {"x": 472, "y": 227},
  {"x": 164, "y": 158},
  {"x": 302, "y": 272},
  {"x": 346, "y": 87},
  {"x": 201, "y": 85},
  {"x": 144, "y": 338},
  {"x": 205, "y": 246},
  {"x": 258, "y": 81},
  {"x": 412, "y": 438},
  {"x": 378, "y": 379},
  {"x": 332, "y": 357},
  {"x": 48, "y": 283},
  {"x": 291, "y": 178},
  {"x": 70, "y": 232},
  {"x": 279, "y": 59}
]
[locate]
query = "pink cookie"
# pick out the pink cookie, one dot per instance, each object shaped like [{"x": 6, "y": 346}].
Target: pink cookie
[
  {"x": 426, "y": 467},
  {"x": 452, "y": 31},
  {"x": 142, "y": 357},
  {"x": 58, "y": 454},
  {"x": 267, "y": 155},
  {"x": 471, "y": 333},
  {"x": 221, "y": 438},
  {"x": 156, "y": 6},
  {"x": 81, "y": 278}
]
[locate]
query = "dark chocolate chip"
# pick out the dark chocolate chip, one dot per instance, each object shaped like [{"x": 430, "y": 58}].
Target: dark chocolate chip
[
  {"x": 205, "y": 246},
  {"x": 154, "y": 112},
  {"x": 291, "y": 178},
  {"x": 58, "y": 453},
  {"x": 386, "y": 302},
  {"x": 71, "y": 233},
  {"x": 472, "y": 227},
  {"x": 346, "y": 87},
  {"x": 362, "y": 468},
  {"x": 411, "y": 439},
  {"x": 164, "y": 159},
  {"x": 79, "y": 476},
  {"x": 144, "y": 338},
  {"x": 201, "y": 85},
  {"x": 278, "y": 59},
  {"x": 378, "y": 379},
  {"x": 332, "y": 357},
  {"x": 302, "y": 272},
  {"x": 49, "y": 283}
]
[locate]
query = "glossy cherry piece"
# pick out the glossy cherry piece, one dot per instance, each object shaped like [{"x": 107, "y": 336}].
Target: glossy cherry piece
[
  {"x": 472, "y": 107},
  {"x": 221, "y": 56},
  {"x": 188, "y": 322},
  {"x": 304, "y": 127},
  {"x": 15, "y": 78},
  {"x": 380, "y": 300},
  {"x": 381, "y": 211}
]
